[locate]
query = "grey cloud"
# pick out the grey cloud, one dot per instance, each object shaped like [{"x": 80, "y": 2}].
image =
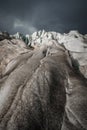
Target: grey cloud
[
  {"x": 24, "y": 26},
  {"x": 28, "y": 16}
]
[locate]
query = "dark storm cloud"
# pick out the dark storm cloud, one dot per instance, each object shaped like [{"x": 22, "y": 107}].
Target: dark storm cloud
[{"x": 28, "y": 16}]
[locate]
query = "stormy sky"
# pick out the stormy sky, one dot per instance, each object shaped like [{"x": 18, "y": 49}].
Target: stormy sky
[{"x": 28, "y": 16}]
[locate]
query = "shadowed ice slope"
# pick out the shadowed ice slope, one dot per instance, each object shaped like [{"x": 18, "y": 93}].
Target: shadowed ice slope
[{"x": 43, "y": 85}]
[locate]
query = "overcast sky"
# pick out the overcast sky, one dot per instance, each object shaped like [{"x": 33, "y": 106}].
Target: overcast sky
[{"x": 28, "y": 16}]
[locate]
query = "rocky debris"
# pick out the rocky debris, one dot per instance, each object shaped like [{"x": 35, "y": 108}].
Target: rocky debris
[
  {"x": 31, "y": 97},
  {"x": 9, "y": 49},
  {"x": 4, "y": 35},
  {"x": 44, "y": 88}
]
